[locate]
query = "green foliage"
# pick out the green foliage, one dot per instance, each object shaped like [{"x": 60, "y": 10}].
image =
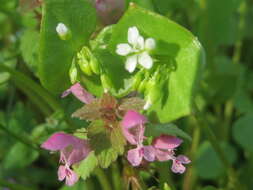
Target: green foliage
[
  {"x": 19, "y": 156},
  {"x": 169, "y": 129},
  {"x": 86, "y": 167},
  {"x": 243, "y": 130},
  {"x": 207, "y": 155},
  {"x": 55, "y": 54}
]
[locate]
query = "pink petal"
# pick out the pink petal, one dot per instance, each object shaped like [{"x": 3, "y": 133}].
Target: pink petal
[
  {"x": 78, "y": 155},
  {"x": 149, "y": 153},
  {"x": 59, "y": 141},
  {"x": 135, "y": 156},
  {"x": 71, "y": 177},
  {"x": 183, "y": 159},
  {"x": 61, "y": 173},
  {"x": 80, "y": 93},
  {"x": 133, "y": 118},
  {"x": 177, "y": 167},
  {"x": 162, "y": 155},
  {"x": 166, "y": 142}
]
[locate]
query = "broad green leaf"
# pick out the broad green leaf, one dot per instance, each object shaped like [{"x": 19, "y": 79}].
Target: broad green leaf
[
  {"x": 148, "y": 4},
  {"x": 19, "y": 156},
  {"x": 183, "y": 57},
  {"x": 85, "y": 167},
  {"x": 208, "y": 188},
  {"x": 55, "y": 54},
  {"x": 80, "y": 185},
  {"x": 243, "y": 130},
  {"x": 206, "y": 155},
  {"x": 155, "y": 130}
]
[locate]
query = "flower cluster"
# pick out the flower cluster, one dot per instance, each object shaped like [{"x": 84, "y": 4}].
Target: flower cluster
[
  {"x": 73, "y": 150},
  {"x": 162, "y": 148}
]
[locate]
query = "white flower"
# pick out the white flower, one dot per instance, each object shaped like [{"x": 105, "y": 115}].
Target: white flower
[
  {"x": 62, "y": 30},
  {"x": 137, "y": 50}
]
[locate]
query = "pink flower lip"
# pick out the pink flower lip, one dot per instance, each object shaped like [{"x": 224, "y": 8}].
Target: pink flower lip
[{"x": 166, "y": 142}]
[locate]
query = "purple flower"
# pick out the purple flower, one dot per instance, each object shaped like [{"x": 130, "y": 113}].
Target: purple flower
[
  {"x": 164, "y": 150},
  {"x": 72, "y": 150},
  {"x": 79, "y": 92},
  {"x": 133, "y": 130}
]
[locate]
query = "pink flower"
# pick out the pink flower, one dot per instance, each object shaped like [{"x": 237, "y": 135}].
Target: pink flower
[
  {"x": 79, "y": 92},
  {"x": 133, "y": 130},
  {"x": 177, "y": 165},
  {"x": 164, "y": 150},
  {"x": 72, "y": 150}
]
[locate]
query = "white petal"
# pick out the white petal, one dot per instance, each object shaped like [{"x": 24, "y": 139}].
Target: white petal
[
  {"x": 61, "y": 29},
  {"x": 123, "y": 49},
  {"x": 150, "y": 44},
  {"x": 131, "y": 63},
  {"x": 133, "y": 35},
  {"x": 140, "y": 43},
  {"x": 145, "y": 60}
]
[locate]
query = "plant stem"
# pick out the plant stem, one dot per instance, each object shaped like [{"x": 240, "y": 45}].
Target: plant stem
[
  {"x": 190, "y": 177},
  {"x": 102, "y": 178},
  {"x": 116, "y": 177}
]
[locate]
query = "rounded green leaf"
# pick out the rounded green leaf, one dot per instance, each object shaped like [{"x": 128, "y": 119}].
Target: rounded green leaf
[
  {"x": 179, "y": 49},
  {"x": 56, "y": 54},
  {"x": 243, "y": 130}
]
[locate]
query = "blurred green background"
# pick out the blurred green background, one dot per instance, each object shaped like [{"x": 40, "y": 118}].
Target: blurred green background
[{"x": 225, "y": 100}]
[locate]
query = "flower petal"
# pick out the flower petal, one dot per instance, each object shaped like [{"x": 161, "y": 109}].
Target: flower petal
[
  {"x": 58, "y": 141},
  {"x": 71, "y": 177},
  {"x": 150, "y": 44},
  {"x": 123, "y": 49},
  {"x": 145, "y": 60},
  {"x": 133, "y": 35},
  {"x": 61, "y": 173},
  {"x": 133, "y": 118},
  {"x": 177, "y": 167},
  {"x": 166, "y": 142},
  {"x": 135, "y": 156},
  {"x": 78, "y": 155},
  {"x": 140, "y": 43},
  {"x": 131, "y": 63},
  {"x": 149, "y": 153},
  {"x": 80, "y": 93},
  {"x": 183, "y": 159},
  {"x": 164, "y": 155}
]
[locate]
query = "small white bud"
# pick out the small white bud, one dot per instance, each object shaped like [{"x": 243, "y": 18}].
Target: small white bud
[
  {"x": 62, "y": 30},
  {"x": 147, "y": 105}
]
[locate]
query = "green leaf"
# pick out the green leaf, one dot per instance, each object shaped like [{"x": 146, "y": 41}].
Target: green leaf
[
  {"x": 19, "y": 156},
  {"x": 55, "y": 54},
  {"x": 209, "y": 188},
  {"x": 168, "y": 129},
  {"x": 30, "y": 55},
  {"x": 183, "y": 56},
  {"x": 85, "y": 167},
  {"x": 243, "y": 130},
  {"x": 101, "y": 143},
  {"x": 117, "y": 139},
  {"x": 206, "y": 155}
]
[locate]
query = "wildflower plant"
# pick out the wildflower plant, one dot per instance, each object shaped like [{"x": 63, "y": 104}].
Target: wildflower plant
[{"x": 134, "y": 78}]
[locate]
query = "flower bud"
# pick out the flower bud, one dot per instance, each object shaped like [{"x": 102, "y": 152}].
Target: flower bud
[
  {"x": 88, "y": 62},
  {"x": 73, "y": 73},
  {"x": 63, "y": 31}
]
